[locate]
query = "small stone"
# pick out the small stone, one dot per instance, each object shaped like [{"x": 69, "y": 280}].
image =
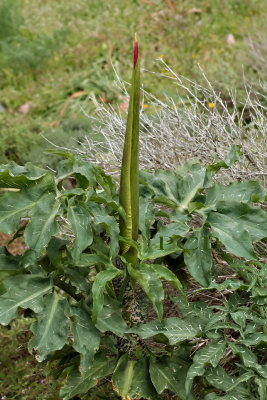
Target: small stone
[
  {"x": 230, "y": 39},
  {"x": 24, "y": 108}
]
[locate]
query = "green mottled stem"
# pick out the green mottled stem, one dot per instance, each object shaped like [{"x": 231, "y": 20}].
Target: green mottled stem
[
  {"x": 67, "y": 288},
  {"x": 129, "y": 181}
]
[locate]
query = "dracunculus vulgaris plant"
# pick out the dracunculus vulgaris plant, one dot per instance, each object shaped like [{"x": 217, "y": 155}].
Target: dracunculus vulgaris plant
[
  {"x": 129, "y": 180},
  {"x": 91, "y": 272}
]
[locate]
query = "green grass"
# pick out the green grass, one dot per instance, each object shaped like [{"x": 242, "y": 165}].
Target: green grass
[
  {"x": 21, "y": 377},
  {"x": 94, "y": 34}
]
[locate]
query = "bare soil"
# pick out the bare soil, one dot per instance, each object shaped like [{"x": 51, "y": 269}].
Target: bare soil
[{"x": 16, "y": 248}]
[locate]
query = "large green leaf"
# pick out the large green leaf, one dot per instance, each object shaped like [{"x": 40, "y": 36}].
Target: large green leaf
[
  {"x": 50, "y": 331},
  {"x": 131, "y": 379},
  {"x": 176, "y": 330},
  {"x": 245, "y": 217},
  {"x": 244, "y": 192},
  {"x": 151, "y": 284},
  {"x": 110, "y": 318},
  {"x": 249, "y": 359},
  {"x": 18, "y": 177},
  {"x": 157, "y": 249},
  {"x": 13, "y": 206},
  {"x": 25, "y": 291},
  {"x": 78, "y": 384},
  {"x": 162, "y": 185},
  {"x": 177, "y": 190},
  {"x": 166, "y": 274},
  {"x": 86, "y": 338},
  {"x": 43, "y": 224},
  {"x": 198, "y": 257},
  {"x": 232, "y": 234},
  {"x": 102, "y": 278},
  {"x": 86, "y": 174},
  {"x": 193, "y": 178},
  {"x": 78, "y": 168},
  {"x": 221, "y": 380},
  {"x": 172, "y": 230},
  {"x": 198, "y": 309},
  {"x": 169, "y": 373},
  {"x": 36, "y": 200},
  {"x": 208, "y": 355},
  {"x": 80, "y": 220}
]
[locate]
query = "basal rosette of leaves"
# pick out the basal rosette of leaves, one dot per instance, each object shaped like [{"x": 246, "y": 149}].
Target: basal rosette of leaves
[
  {"x": 65, "y": 279},
  {"x": 66, "y": 284}
]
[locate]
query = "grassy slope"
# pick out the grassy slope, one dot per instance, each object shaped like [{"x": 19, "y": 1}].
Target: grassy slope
[{"x": 97, "y": 33}]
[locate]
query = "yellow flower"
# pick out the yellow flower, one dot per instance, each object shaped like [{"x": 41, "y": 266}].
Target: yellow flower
[
  {"x": 211, "y": 105},
  {"x": 145, "y": 106}
]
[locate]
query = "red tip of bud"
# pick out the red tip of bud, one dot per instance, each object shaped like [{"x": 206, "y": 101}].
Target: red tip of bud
[{"x": 135, "y": 49}]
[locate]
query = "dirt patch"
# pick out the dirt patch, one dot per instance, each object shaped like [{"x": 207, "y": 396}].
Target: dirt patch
[{"x": 16, "y": 247}]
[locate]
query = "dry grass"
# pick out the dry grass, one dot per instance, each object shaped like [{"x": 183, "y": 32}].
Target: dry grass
[{"x": 198, "y": 123}]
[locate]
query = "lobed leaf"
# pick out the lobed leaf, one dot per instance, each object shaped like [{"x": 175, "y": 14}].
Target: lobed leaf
[
  {"x": 50, "y": 331},
  {"x": 80, "y": 221},
  {"x": 102, "y": 278},
  {"x": 169, "y": 373},
  {"x": 198, "y": 309},
  {"x": 198, "y": 256},
  {"x": 78, "y": 384},
  {"x": 110, "y": 318},
  {"x": 176, "y": 190},
  {"x": 235, "y": 238},
  {"x": 244, "y": 192},
  {"x": 245, "y": 217},
  {"x": 176, "y": 330},
  {"x": 220, "y": 379},
  {"x": 43, "y": 224},
  {"x": 25, "y": 291},
  {"x": 151, "y": 284},
  {"x": 209, "y": 355},
  {"x": 249, "y": 359},
  {"x": 166, "y": 274},
  {"x": 86, "y": 338},
  {"x": 16, "y": 176}
]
